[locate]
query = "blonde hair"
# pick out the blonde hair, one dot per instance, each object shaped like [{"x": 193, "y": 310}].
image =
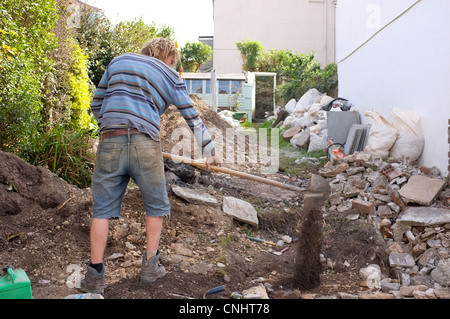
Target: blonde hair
[{"x": 161, "y": 48}]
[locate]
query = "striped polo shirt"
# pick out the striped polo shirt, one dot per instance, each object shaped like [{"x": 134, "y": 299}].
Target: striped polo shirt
[{"x": 136, "y": 90}]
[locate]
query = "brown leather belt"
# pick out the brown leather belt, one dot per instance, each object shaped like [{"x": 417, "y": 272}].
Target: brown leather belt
[{"x": 119, "y": 132}]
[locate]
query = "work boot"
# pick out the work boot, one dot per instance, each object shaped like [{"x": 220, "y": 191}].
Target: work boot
[
  {"x": 94, "y": 282},
  {"x": 151, "y": 269}
]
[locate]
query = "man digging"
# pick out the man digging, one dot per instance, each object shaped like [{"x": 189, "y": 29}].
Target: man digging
[{"x": 135, "y": 90}]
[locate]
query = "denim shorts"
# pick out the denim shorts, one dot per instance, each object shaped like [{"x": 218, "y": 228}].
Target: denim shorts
[{"x": 120, "y": 158}]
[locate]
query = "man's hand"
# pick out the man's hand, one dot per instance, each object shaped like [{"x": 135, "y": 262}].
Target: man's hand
[{"x": 213, "y": 160}]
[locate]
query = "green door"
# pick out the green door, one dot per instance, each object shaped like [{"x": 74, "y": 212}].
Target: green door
[{"x": 247, "y": 104}]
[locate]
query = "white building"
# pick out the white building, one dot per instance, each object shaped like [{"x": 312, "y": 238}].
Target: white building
[
  {"x": 396, "y": 54},
  {"x": 299, "y": 25}
]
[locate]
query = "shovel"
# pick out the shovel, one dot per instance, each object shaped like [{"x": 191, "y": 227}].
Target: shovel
[{"x": 189, "y": 161}]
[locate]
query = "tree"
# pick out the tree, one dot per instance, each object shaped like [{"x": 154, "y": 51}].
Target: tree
[
  {"x": 296, "y": 72},
  {"x": 103, "y": 41},
  {"x": 193, "y": 55},
  {"x": 252, "y": 54}
]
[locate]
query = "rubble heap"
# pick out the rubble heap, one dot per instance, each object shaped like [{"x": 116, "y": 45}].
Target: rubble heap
[{"x": 409, "y": 207}]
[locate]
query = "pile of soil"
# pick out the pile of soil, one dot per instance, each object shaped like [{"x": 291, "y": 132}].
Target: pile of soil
[{"x": 45, "y": 222}]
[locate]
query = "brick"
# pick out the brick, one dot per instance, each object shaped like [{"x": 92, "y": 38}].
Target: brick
[{"x": 364, "y": 207}]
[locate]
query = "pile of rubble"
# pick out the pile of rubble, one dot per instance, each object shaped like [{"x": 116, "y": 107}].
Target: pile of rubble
[{"x": 409, "y": 207}]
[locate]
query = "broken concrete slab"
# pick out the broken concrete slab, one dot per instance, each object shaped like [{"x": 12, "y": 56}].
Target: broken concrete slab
[
  {"x": 240, "y": 210},
  {"x": 441, "y": 274},
  {"x": 194, "y": 196},
  {"x": 420, "y": 216},
  {"x": 422, "y": 190},
  {"x": 331, "y": 170},
  {"x": 401, "y": 260}
]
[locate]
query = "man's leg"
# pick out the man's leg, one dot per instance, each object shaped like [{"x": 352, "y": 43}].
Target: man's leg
[
  {"x": 99, "y": 237},
  {"x": 153, "y": 227},
  {"x": 95, "y": 278},
  {"x": 151, "y": 270}
]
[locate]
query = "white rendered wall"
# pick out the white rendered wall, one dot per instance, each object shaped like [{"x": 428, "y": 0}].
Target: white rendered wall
[
  {"x": 298, "y": 25},
  {"x": 386, "y": 60}
]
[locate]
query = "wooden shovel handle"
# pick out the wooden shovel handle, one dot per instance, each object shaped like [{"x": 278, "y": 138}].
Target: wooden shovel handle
[{"x": 220, "y": 169}]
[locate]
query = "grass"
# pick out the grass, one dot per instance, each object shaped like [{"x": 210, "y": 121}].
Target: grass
[
  {"x": 64, "y": 151},
  {"x": 291, "y": 167}
]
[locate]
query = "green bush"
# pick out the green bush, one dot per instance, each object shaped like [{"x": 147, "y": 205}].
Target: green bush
[
  {"x": 79, "y": 89},
  {"x": 26, "y": 42}
]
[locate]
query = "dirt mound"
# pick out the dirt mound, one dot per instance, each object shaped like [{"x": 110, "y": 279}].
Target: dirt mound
[
  {"x": 42, "y": 219},
  {"x": 174, "y": 128}
]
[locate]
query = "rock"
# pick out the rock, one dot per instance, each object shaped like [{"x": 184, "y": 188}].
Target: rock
[
  {"x": 288, "y": 134},
  {"x": 286, "y": 294},
  {"x": 240, "y": 210},
  {"x": 427, "y": 294},
  {"x": 422, "y": 190},
  {"x": 180, "y": 249},
  {"x": 442, "y": 293},
  {"x": 301, "y": 139},
  {"x": 401, "y": 260},
  {"x": 408, "y": 291},
  {"x": 420, "y": 216},
  {"x": 259, "y": 290},
  {"x": 331, "y": 170},
  {"x": 344, "y": 295},
  {"x": 354, "y": 170},
  {"x": 428, "y": 255},
  {"x": 389, "y": 286},
  {"x": 441, "y": 274},
  {"x": 364, "y": 207},
  {"x": 377, "y": 295},
  {"x": 194, "y": 196},
  {"x": 372, "y": 275}
]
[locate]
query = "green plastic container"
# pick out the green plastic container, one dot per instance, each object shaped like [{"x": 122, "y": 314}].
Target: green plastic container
[{"x": 15, "y": 284}]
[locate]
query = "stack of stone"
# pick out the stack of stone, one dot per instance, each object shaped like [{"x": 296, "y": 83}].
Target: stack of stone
[{"x": 409, "y": 206}]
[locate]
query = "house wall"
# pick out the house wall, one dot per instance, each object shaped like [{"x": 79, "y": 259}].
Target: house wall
[
  {"x": 396, "y": 54},
  {"x": 298, "y": 25}
]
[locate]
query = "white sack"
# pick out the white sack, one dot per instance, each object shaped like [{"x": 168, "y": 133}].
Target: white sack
[
  {"x": 311, "y": 115},
  {"x": 290, "y": 106},
  {"x": 410, "y": 141},
  {"x": 308, "y": 99},
  {"x": 317, "y": 142},
  {"x": 382, "y": 136}
]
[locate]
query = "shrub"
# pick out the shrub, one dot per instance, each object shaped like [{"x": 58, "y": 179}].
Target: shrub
[{"x": 26, "y": 43}]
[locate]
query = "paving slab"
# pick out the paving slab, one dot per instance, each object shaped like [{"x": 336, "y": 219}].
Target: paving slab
[{"x": 421, "y": 189}]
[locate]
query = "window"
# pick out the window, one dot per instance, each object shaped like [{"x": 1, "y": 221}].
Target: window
[
  {"x": 224, "y": 86},
  {"x": 236, "y": 87},
  {"x": 207, "y": 86},
  {"x": 230, "y": 86},
  {"x": 196, "y": 86}
]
